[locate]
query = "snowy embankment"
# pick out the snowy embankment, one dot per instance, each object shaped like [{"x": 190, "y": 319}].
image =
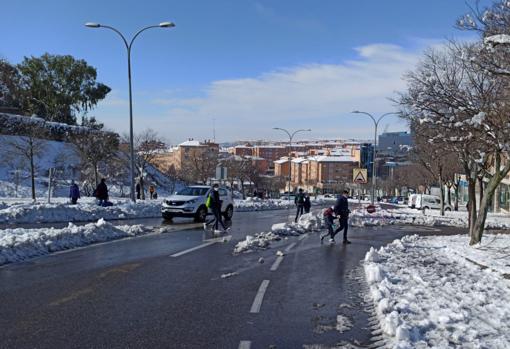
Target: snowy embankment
[
  {"x": 360, "y": 218},
  {"x": 86, "y": 211},
  {"x": 22, "y": 211},
  {"x": 438, "y": 292},
  {"x": 307, "y": 223},
  {"x": 21, "y": 244}
]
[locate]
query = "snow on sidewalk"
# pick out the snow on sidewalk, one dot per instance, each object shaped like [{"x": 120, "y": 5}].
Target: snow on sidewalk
[
  {"x": 438, "y": 292},
  {"x": 361, "y": 218},
  {"x": 21, "y": 244},
  {"x": 307, "y": 223}
]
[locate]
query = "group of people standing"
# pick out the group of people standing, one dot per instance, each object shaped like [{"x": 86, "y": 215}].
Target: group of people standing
[{"x": 303, "y": 203}]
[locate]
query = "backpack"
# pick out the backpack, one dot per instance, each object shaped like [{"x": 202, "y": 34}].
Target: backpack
[
  {"x": 300, "y": 199},
  {"x": 208, "y": 202}
]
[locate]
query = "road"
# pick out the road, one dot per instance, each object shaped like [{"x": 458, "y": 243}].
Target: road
[{"x": 166, "y": 291}]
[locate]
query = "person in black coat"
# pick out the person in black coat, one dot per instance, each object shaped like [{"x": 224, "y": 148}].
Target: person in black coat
[
  {"x": 308, "y": 204},
  {"x": 342, "y": 211},
  {"x": 299, "y": 201},
  {"x": 102, "y": 192}
]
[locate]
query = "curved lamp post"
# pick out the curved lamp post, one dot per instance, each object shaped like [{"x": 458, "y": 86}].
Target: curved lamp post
[
  {"x": 291, "y": 136},
  {"x": 128, "y": 48},
  {"x": 376, "y": 124}
]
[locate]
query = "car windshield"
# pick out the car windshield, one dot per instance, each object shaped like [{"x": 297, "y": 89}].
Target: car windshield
[{"x": 193, "y": 191}]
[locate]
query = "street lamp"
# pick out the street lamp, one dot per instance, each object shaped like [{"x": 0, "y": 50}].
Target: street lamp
[
  {"x": 291, "y": 135},
  {"x": 376, "y": 124},
  {"x": 128, "y": 48}
]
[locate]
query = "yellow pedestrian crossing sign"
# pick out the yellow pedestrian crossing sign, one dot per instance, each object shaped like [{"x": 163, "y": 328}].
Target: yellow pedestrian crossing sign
[{"x": 359, "y": 175}]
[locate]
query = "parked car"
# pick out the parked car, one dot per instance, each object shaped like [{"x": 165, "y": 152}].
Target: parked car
[
  {"x": 426, "y": 202},
  {"x": 190, "y": 202}
]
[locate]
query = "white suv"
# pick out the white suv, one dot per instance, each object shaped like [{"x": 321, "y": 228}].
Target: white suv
[{"x": 190, "y": 202}]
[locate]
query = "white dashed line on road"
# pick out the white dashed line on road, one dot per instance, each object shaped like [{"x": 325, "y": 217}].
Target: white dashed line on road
[
  {"x": 257, "y": 302},
  {"x": 276, "y": 263},
  {"x": 288, "y": 248},
  {"x": 303, "y": 237},
  {"x": 178, "y": 254},
  {"x": 245, "y": 345}
]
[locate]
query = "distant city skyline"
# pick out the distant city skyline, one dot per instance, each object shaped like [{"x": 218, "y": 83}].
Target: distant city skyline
[{"x": 250, "y": 65}]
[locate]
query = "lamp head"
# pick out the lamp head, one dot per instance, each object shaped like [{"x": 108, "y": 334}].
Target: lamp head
[
  {"x": 167, "y": 24},
  {"x": 92, "y": 25},
  {"x": 356, "y": 111}
]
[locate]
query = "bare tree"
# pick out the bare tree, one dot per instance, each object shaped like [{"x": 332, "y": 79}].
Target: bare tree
[
  {"x": 30, "y": 148},
  {"x": 94, "y": 148}
]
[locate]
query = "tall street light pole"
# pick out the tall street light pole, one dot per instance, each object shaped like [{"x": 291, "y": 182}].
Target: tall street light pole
[
  {"x": 376, "y": 124},
  {"x": 291, "y": 136},
  {"x": 128, "y": 48}
]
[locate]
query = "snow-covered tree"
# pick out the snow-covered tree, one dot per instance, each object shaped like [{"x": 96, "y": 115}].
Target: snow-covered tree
[{"x": 464, "y": 110}]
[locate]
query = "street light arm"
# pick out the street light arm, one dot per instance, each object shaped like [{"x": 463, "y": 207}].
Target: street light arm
[
  {"x": 382, "y": 116},
  {"x": 365, "y": 113},
  {"x": 284, "y": 130},
  {"x": 139, "y": 32},
  {"x": 119, "y": 33},
  {"x": 303, "y": 130}
]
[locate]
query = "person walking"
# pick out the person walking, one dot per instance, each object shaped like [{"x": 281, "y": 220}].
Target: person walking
[
  {"x": 299, "y": 201},
  {"x": 151, "y": 191},
  {"x": 74, "y": 192},
  {"x": 215, "y": 206},
  {"x": 329, "y": 221},
  {"x": 102, "y": 192},
  {"x": 308, "y": 204},
  {"x": 138, "y": 188},
  {"x": 342, "y": 211}
]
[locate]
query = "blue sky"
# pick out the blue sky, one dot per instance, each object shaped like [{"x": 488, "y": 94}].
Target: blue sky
[{"x": 250, "y": 65}]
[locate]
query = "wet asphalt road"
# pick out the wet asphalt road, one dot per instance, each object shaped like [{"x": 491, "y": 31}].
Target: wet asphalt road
[{"x": 133, "y": 294}]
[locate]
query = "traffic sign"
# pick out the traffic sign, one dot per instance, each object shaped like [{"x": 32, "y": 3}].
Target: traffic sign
[{"x": 359, "y": 175}]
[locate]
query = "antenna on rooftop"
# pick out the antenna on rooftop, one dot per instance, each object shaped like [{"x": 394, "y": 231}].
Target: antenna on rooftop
[{"x": 214, "y": 129}]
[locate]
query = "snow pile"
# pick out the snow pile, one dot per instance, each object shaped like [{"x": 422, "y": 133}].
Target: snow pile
[
  {"x": 21, "y": 244},
  {"x": 361, "y": 218},
  {"x": 256, "y": 204},
  {"x": 437, "y": 292},
  {"x": 257, "y": 241},
  {"x": 306, "y": 223},
  {"x": 85, "y": 211}
]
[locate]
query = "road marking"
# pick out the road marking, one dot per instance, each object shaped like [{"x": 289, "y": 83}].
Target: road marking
[
  {"x": 257, "y": 302},
  {"x": 287, "y": 249},
  {"x": 245, "y": 345},
  {"x": 178, "y": 254},
  {"x": 303, "y": 237},
  {"x": 276, "y": 263}
]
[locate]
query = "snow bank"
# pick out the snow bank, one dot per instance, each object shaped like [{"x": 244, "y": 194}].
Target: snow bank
[
  {"x": 437, "y": 292},
  {"x": 21, "y": 244},
  {"x": 255, "y": 204},
  {"x": 361, "y": 218},
  {"x": 306, "y": 223},
  {"x": 84, "y": 212}
]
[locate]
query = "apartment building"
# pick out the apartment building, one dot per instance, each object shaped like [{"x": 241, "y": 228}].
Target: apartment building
[
  {"x": 175, "y": 157},
  {"x": 270, "y": 152}
]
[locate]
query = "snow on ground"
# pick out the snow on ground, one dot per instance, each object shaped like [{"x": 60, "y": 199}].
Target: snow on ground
[
  {"x": 255, "y": 204},
  {"x": 25, "y": 211},
  {"x": 438, "y": 292},
  {"x": 307, "y": 223},
  {"x": 20, "y": 244},
  {"x": 360, "y": 218}
]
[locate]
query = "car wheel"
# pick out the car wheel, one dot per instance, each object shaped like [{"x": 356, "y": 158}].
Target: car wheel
[
  {"x": 229, "y": 212},
  {"x": 425, "y": 209},
  {"x": 201, "y": 214},
  {"x": 447, "y": 209},
  {"x": 167, "y": 216}
]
